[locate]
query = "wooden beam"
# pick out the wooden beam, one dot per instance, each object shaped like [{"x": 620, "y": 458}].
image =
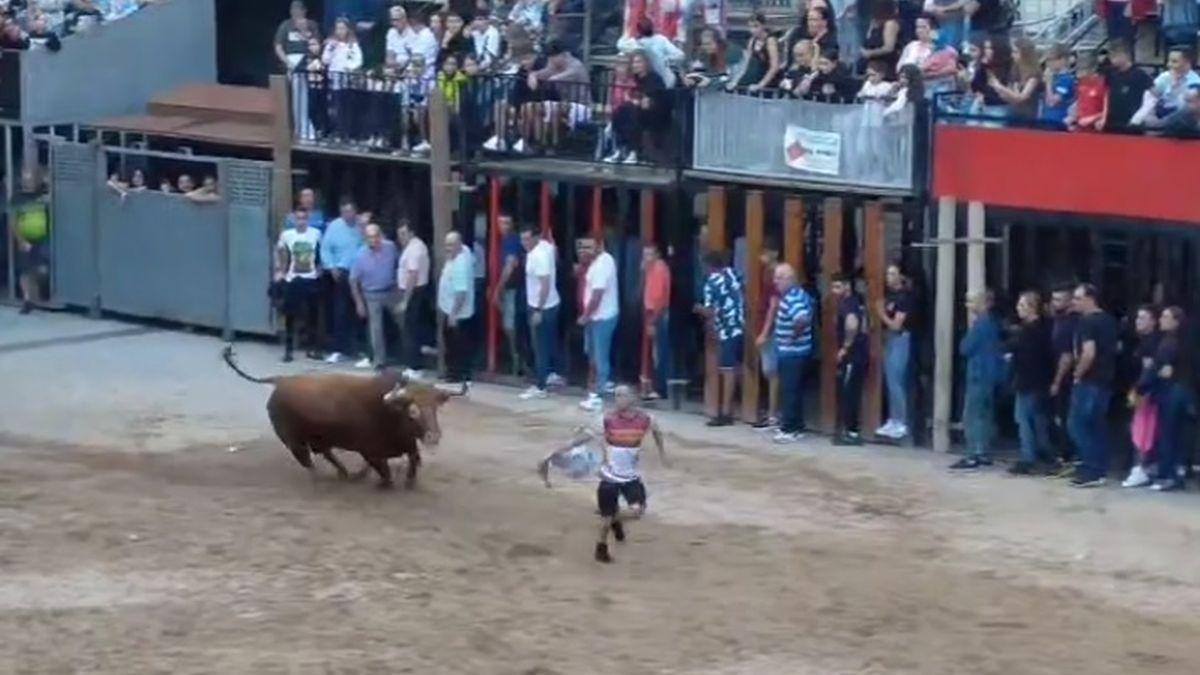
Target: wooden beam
[
  {"x": 281, "y": 155},
  {"x": 493, "y": 274},
  {"x": 874, "y": 269},
  {"x": 441, "y": 194},
  {"x": 544, "y": 206},
  {"x": 717, "y": 203},
  {"x": 754, "y": 283},
  {"x": 793, "y": 236},
  {"x": 648, "y": 234},
  {"x": 831, "y": 264}
]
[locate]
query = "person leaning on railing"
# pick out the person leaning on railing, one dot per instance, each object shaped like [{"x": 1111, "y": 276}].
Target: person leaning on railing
[
  {"x": 1090, "y": 111},
  {"x": 712, "y": 62},
  {"x": 764, "y": 62},
  {"x": 646, "y": 113}
]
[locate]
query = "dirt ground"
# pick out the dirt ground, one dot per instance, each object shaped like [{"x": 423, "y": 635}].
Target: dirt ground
[{"x": 751, "y": 560}]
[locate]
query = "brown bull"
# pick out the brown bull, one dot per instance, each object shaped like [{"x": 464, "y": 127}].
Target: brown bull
[{"x": 316, "y": 413}]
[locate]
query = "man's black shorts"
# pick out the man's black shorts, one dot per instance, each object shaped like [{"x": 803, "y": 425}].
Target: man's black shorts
[{"x": 607, "y": 495}]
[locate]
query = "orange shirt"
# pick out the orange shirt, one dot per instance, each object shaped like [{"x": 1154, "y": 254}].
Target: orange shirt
[{"x": 656, "y": 296}]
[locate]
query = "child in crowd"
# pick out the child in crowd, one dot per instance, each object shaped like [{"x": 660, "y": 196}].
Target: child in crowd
[
  {"x": 910, "y": 86},
  {"x": 800, "y": 67},
  {"x": 312, "y": 69},
  {"x": 1059, "y": 86},
  {"x": 833, "y": 82},
  {"x": 1090, "y": 111},
  {"x": 416, "y": 93},
  {"x": 876, "y": 88},
  {"x": 451, "y": 81}
]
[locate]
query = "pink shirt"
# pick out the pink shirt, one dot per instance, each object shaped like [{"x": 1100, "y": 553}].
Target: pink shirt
[{"x": 415, "y": 258}]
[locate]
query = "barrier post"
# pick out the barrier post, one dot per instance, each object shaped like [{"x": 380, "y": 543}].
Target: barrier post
[
  {"x": 831, "y": 264},
  {"x": 648, "y": 238},
  {"x": 493, "y": 267},
  {"x": 717, "y": 202},
  {"x": 874, "y": 268},
  {"x": 943, "y": 325},
  {"x": 751, "y": 373}
]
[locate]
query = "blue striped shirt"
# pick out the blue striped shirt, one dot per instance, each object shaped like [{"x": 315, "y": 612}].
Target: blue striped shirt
[
  {"x": 723, "y": 294},
  {"x": 794, "y": 323}
]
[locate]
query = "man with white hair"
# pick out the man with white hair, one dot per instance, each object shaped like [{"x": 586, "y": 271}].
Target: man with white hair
[
  {"x": 456, "y": 304},
  {"x": 793, "y": 330}
]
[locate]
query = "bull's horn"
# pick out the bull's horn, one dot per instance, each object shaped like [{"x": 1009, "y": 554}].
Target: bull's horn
[
  {"x": 398, "y": 391},
  {"x": 461, "y": 391}
]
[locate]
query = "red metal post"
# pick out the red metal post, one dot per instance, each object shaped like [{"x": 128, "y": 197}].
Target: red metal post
[{"x": 648, "y": 234}]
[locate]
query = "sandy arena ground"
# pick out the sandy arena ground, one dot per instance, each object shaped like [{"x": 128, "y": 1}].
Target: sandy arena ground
[{"x": 133, "y": 540}]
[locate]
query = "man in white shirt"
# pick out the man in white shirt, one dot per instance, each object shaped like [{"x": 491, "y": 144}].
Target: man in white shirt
[
  {"x": 598, "y": 315},
  {"x": 456, "y": 303},
  {"x": 297, "y": 269},
  {"x": 406, "y": 39},
  {"x": 412, "y": 278},
  {"x": 541, "y": 293}
]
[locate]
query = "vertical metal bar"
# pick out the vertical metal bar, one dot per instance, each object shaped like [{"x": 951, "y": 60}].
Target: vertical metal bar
[
  {"x": 943, "y": 325},
  {"x": 831, "y": 264},
  {"x": 754, "y": 283},
  {"x": 223, "y": 170},
  {"x": 8, "y": 195},
  {"x": 649, "y": 232},
  {"x": 717, "y": 202},
  {"x": 494, "y": 262},
  {"x": 587, "y": 32}
]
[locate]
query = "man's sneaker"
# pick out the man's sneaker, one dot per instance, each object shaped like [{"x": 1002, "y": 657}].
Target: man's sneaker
[
  {"x": 766, "y": 424},
  {"x": 1021, "y": 469},
  {"x": 314, "y": 355},
  {"x": 494, "y": 144},
  {"x": 555, "y": 380},
  {"x": 848, "y": 440},
  {"x": 900, "y": 432},
  {"x": 592, "y": 403},
  {"x": 421, "y": 148},
  {"x": 615, "y": 157},
  {"x": 1137, "y": 478},
  {"x": 1084, "y": 482},
  {"x": 602, "y": 553},
  {"x": 965, "y": 464},
  {"x": 618, "y": 531},
  {"x": 784, "y": 437},
  {"x": 1167, "y": 486},
  {"x": 887, "y": 430},
  {"x": 631, "y": 158},
  {"x": 1064, "y": 470},
  {"x": 363, "y": 363},
  {"x": 533, "y": 393},
  {"x": 334, "y": 357},
  {"x": 719, "y": 421},
  {"x": 520, "y": 147}
]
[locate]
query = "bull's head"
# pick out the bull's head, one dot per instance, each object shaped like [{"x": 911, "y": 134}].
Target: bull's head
[{"x": 422, "y": 400}]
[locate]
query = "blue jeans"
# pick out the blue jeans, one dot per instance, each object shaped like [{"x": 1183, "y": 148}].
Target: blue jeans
[
  {"x": 1033, "y": 426},
  {"x": 895, "y": 371},
  {"x": 597, "y": 342},
  {"x": 1088, "y": 426},
  {"x": 662, "y": 352},
  {"x": 791, "y": 392},
  {"x": 953, "y": 31},
  {"x": 979, "y": 417},
  {"x": 1173, "y": 404},
  {"x": 545, "y": 338}
]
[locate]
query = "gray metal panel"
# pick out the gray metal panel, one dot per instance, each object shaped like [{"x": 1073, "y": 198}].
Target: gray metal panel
[
  {"x": 72, "y": 223},
  {"x": 875, "y": 152},
  {"x": 247, "y": 186},
  {"x": 116, "y": 68},
  {"x": 162, "y": 256}
]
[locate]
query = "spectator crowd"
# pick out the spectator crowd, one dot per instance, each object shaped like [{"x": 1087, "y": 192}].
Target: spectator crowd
[{"x": 41, "y": 24}]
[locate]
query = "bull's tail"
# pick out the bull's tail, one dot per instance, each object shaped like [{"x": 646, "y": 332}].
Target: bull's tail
[{"x": 227, "y": 355}]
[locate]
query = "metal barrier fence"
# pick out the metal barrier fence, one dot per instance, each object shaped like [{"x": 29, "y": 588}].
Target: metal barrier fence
[
  {"x": 161, "y": 256},
  {"x": 850, "y": 145}
]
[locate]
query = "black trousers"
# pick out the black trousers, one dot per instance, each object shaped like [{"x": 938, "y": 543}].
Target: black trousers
[
  {"x": 627, "y": 127},
  {"x": 301, "y": 300},
  {"x": 849, "y": 396},
  {"x": 1060, "y": 407},
  {"x": 345, "y": 322},
  {"x": 418, "y": 327},
  {"x": 460, "y": 350}
]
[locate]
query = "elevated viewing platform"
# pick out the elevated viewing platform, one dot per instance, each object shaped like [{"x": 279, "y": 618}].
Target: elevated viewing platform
[{"x": 212, "y": 113}]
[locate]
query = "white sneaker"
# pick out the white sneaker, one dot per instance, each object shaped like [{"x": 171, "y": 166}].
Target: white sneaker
[
  {"x": 421, "y": 148},
  {"x": 781, "y": 438},
  {"x": 334, "y": 357},
  {"x": 888, "y": 429},
  {"x": 592, "y": 403},
  {"x": 363, "y": 363},
  {"x": 1137, "y": 478},
  {"x": 631, "y": 158},
  {"x": 492, "y": 144},
  {"x": 614, "y": 157},
  {"x": 533, "y": 393},
  {"x": 555, "y": 380},
  {"x": 519, "y": 147},
  {"x": 900, "y": 431}
]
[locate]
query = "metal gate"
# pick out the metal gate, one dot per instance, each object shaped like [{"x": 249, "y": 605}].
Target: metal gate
[{"x": 75, "y": 174}]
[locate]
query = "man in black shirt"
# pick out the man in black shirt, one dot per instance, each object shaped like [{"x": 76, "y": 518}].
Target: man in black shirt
[
  {"x": 851, "y": 359},
  {"x": 1033, "y": 362},
  {"x": 1095, "y": 368},
  {"x": 1062, "y": 345},
  {"x": 1127, "y": 86}
]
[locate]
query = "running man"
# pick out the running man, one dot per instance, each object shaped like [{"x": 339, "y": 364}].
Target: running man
[{"x": 625, "y": 427}]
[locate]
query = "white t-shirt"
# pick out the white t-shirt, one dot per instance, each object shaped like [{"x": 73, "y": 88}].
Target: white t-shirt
[
  {"x": 457, "y": 277},
  {"x": 602, "y": 276},
  {"x": 402, "y": 46},
  {"x": 302, "y": 252},
  {"x": 541, "y": 262},
  {"x": 414, "y": 258}
]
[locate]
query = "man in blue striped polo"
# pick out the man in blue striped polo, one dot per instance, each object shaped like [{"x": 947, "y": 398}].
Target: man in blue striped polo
[{"x": 794, "y": 346}]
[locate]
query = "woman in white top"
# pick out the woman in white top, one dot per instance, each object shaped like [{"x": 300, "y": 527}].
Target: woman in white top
[
  {"x": 343, "y": 60},
  {"x": 664, "y": 55}
]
